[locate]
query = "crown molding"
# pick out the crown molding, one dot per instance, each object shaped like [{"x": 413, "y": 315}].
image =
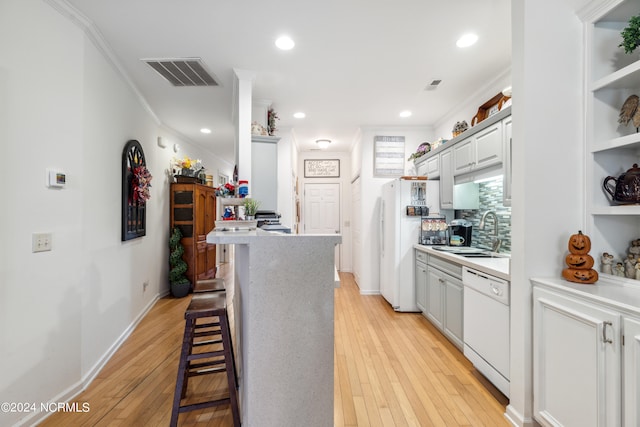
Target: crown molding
[{"x": 91, "y": 31}]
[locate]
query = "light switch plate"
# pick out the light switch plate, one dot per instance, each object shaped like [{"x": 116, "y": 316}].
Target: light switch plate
[{"x": 41, "y": 242}]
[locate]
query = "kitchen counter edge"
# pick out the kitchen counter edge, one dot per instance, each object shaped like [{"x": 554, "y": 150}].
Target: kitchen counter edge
[
  {"x": 498, "y": 267},
  {"x": 614, "y": 293}
]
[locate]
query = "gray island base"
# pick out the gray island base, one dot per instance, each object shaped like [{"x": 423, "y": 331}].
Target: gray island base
[{"x": 283, "y": 306}]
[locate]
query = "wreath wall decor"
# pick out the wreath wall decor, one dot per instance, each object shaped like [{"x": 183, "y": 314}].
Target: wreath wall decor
[{"x": 136, "y": 184}]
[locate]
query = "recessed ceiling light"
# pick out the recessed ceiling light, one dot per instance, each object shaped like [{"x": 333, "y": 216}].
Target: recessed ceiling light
[
  {"x": 285, "y": 43},
  {"x": 205, "y": 130},
  {"x": 467, "y": 40},
  {"x": 300, "y": 115},
  {"x": 405, "y": 113}
]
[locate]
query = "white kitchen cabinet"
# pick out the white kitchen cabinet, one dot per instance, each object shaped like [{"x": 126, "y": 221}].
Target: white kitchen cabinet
[
  {"x": 612, "y": 148},
  {"x": 489, "y": 146},
  {"x": 445, "y": 300},
  {"x": 435, "y": 294},
  {"x": 463, "y": 156},
  {"x": 421, "y": 280},
  {"x": 506, "y": 178},
  {"x": 421, "y": 167},
  {"x": 631, "y": 374},
  {"x": 446, "y": 179},
  {"x": 453, "y": 310},
  {"x": 482, "y": 150},
  {"x": 433, "y": 167},
  {"x": 576, "y": 361}
]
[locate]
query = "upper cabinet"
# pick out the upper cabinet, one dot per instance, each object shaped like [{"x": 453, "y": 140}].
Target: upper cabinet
[
  {"x": 480, "y": 151},
  {"x": 611, "y": 148}
]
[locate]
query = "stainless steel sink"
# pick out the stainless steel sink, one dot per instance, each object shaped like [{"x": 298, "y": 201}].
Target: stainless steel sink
[
  {"x": 485, "y": 255},
  {"x": 470, "y": 252}
]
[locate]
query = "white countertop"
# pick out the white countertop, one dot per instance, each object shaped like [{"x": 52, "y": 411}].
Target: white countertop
[
  {"x": 622, "y": 294},
  {"x": 248, "y": 236},
  {"x": 498, "y": 267}
]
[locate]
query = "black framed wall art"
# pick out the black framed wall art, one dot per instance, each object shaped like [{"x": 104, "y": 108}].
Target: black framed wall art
[{"x": 136, "y": 181}]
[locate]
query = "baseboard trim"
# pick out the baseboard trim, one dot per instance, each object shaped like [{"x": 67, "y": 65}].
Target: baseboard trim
[
  {"x": 97, "y": 367},
  {"x": 369, "y": 292},
  {"x": 517, "y": 419},
  {"x": 80, "y": 386}
]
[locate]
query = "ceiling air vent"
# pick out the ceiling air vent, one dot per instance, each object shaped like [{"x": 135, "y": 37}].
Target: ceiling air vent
[
  {"x": 183, "y": 71},
  {"x": 433, "y": 85}
]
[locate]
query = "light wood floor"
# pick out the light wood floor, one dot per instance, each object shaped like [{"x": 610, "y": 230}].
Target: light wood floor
[{"x": 391, "y": 369}]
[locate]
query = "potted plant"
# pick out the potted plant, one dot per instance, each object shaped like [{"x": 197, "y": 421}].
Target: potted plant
[
  {"x": 250, "y": 208},
  {"x": 631, "y": 35},
  {"x": 178, "y": 282}
]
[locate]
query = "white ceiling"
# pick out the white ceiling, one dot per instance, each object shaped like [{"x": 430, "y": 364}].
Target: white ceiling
[{"x": 356, "y": 62}]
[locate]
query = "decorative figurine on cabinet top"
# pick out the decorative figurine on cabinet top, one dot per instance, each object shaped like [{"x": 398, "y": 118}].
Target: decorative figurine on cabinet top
[
  {"x": 579, "y": 261},
  {"x": 607, "y": 263}
]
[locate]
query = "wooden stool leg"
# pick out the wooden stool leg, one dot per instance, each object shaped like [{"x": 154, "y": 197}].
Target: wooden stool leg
[
  {"x": 230, "y": 369},
  {"x": 182, "y": 371}
]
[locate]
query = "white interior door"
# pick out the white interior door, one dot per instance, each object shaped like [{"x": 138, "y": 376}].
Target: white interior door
[{"x": 322, "y": 211}]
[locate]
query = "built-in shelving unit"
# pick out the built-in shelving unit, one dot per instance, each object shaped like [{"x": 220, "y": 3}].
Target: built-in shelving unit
[{"x": 611, "y": 148}]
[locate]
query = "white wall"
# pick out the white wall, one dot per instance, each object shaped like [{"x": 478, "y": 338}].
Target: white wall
[
  {"x": 547, "y": 154},
  {"x": 287, "y": 174},
  {"x": 371, "y": 187},
  {"x": 63, "y": 105},
  {"x": 468, "y": 109}
]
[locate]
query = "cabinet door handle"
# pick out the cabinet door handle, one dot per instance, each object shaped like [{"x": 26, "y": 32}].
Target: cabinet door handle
[{"x": 604, "y": 332}]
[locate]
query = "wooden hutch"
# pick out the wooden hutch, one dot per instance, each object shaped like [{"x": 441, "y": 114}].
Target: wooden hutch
[{"x": 193, "y": 211}]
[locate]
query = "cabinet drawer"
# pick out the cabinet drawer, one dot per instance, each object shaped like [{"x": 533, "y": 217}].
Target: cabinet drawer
[
  {"x": 421, "y": 256},
  {"x": 447, "y": 266}
]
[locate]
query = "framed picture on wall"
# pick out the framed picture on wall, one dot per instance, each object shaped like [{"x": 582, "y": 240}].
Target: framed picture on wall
[
  {"x": 388, "y": 160},
  {"x": 322, "y": 168}
]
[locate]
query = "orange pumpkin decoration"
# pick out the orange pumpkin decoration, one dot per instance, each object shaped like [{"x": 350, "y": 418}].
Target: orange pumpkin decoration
[
  {"x": 579, "y": 261},
  {"x": 580, "y": 276},
  {"x": 579, "y": 244}
]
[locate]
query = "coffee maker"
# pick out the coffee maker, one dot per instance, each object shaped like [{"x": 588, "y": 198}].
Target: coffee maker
[{"x": 460, "y": 232}]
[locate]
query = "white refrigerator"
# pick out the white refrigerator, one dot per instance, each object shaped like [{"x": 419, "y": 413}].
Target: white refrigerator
[{"x": 398, "y": 233}]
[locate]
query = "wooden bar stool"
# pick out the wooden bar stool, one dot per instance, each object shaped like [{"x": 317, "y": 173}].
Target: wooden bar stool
[
  {"x": 209, "y": 285},
  {"x": 214, "y": 332}
]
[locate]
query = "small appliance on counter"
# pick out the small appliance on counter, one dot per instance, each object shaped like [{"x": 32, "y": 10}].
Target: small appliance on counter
[
  {"x": 433, "y": 231},
  {"x": 460, "y": 232},
  {"x": 270, "y": 221}
]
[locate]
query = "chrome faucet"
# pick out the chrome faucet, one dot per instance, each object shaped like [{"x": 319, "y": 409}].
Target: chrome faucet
[{"x": 497, "y": 242}]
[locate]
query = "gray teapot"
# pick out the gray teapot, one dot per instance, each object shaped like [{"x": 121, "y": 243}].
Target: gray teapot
[{"x": 627, "y": 186}]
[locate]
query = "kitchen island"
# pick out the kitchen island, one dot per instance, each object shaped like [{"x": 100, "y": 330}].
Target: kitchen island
[{"x": 283, "y": 306}]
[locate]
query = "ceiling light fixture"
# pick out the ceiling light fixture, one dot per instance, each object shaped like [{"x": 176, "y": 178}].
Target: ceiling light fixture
[
  {"x": 300, "y": 115},
  {"x": 285, "y": 43},
  {"x": 205, "y": 130},
  {"x": 323, "y": 143},
  {"x": 405, "y": 113},
  {"x": 467, "y": 40}
]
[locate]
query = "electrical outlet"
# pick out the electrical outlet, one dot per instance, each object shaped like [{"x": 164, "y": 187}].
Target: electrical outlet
[{"x": 41, "y": 242}]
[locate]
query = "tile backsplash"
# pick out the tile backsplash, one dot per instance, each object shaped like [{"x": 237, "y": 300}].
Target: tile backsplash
[{"x": 490, "y": 194}]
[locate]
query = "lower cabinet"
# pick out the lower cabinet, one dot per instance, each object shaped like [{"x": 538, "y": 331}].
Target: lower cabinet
[
  {"x": 631, "y": 374},
  {"x": 453, "y": 311},
  {"x": 421, "y": 280},
  {"x": 439, "y": 294},
  {"x": 586, "y": 362}
]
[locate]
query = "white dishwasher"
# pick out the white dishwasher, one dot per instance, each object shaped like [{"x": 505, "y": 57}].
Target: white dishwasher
[{"x": 486, "y": 326}]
